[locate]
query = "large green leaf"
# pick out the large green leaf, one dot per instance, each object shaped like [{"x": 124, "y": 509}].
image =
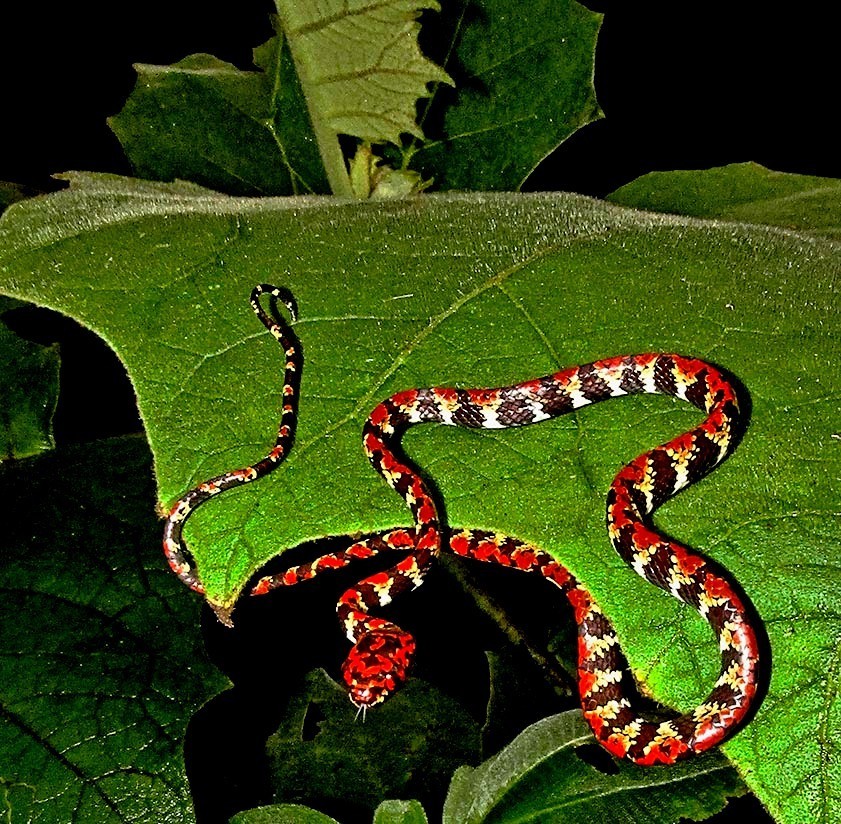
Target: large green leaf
[
  {"x": 101, "y": 660},
  {"x": 741, "y": 191},
  {"x": 540, "y": 777},
  {"x": 482, "y": 290}
]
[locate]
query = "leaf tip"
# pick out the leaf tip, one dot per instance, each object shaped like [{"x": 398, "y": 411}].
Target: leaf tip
[{"x": 223, "y": 612}]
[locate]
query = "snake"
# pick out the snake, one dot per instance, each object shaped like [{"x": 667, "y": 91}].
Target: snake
[
  {"x": 178, "y": 556},
  {"x": 382, "y": 653}
]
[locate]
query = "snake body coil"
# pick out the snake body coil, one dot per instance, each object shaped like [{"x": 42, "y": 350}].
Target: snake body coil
[{"x": 382, "y": 652}]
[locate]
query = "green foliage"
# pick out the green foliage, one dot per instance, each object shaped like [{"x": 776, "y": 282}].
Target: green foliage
[
  {"x": 283, "y": 814},
  {"x": 389, "y": 812},
  {"x": 275, "y": 130},
  {"x": 102, "y": 664},
  {"x": 406, "y": 748},
  {"x": 524, "y": 73},
  {"x": 400, "y": 812},
  {"x": 370, "y": 90},
  {"x": 252, "y": 138},
  {"x": 744, "y": 192},
  {"x": 29, "y": 388},
  {"x": 541, "y": 776}
]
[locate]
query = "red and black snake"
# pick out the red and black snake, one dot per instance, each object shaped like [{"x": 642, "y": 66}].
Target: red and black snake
[
  {"x": 177, "y": 555},
  {"x": 382, "y": 652}
]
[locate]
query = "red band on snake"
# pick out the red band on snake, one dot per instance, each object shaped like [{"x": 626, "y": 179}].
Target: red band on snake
[{"x": 382, "y": 653}]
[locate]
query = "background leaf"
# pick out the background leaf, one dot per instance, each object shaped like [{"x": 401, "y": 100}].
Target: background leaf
[
  {"x": 742, "y": 191},
  {"x": 252, "y": 136},
  {"x": 360, "y": 69},
  {"x": 282, "y": 814},
  {"x": 363, "y": 74},
  {"x": 102, "y": 675},
  {"x": 360, "y": 65},
  {"x": 29, "y": 389},
  {"x": 400, "y": 812},
  {"x": 541, "y": 776},
  {"x": 524, "y": 84},
  {"x": 406, "y": 750},
  {"x": 483, "y": 290},
  {"x": 389, "y": 812}
]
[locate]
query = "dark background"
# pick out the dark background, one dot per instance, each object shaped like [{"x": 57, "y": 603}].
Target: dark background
[{"x": 683, "y": 85}]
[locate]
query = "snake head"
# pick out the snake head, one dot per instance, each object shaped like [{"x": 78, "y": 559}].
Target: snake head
[{"x": 377, "y": 665}]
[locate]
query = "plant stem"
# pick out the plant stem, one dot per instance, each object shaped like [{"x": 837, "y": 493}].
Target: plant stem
[{"x": 331, "y": 156}]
